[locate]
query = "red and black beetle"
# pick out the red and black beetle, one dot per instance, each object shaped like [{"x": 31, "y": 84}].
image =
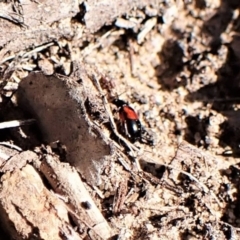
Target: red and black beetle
[{"x": 129, "y": 120}]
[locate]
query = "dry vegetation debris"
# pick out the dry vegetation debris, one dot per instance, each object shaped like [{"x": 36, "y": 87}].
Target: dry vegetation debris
[{"x": 71, "y": 174}]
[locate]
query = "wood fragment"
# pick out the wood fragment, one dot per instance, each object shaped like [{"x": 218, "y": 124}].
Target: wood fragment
[
  {"x": 65, "y": 181},
  {"x": 6, "y": 153},
  {"x": 26, "y": 204},
  {"x": 18, "y": 161},
  {"x": 154, "y": 180},
  {"x": 120, "y": 196},
  {"x": 16, "y": 123},
  {"x": 131, "y": 56}
]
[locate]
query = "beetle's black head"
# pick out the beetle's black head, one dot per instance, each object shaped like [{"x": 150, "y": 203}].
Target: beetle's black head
[{"x": 119, "y": 102}]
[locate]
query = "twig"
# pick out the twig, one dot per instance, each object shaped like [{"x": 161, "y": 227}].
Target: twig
[
  {"x": 7, "y": 59},
  {"x": 12, "y": 19},
  {"x": 38, "y": 49},
  {"x": 35, "y": 50},
  {"x": 166, "y": 209},
  {"x": 124, "y": 163},
  {"x": 11, "y": 146},
  {"x": 16, "y": 123},
  {"x": 120, "y": 196},
  {"x": 131, "y": 53},
  {"x": 71, "y": 186}
]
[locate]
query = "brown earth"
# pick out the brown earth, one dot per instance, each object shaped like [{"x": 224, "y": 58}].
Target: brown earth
[{"x": 72, "y": 173}]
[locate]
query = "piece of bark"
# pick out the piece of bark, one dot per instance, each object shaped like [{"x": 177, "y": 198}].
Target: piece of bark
[
  {"x": 29, "y": 211},
  {"x": 18, "y": 161},
  {"x": 65, "y": 111},
  {"x": 66, "y": 181},
  {"x": 120, "y": 196},
  {"x": 6, "y": 153}
]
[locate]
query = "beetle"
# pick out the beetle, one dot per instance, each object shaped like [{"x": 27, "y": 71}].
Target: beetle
[{"x": 129, "y": 120}]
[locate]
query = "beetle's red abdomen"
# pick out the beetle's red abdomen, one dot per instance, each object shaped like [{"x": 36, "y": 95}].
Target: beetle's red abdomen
[
  {"x": 129, "y": 120},
  {"x": 129, "y": 113}
]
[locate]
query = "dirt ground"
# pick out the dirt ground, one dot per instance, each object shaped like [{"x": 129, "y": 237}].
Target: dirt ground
[{"x": 178, "y": 67}]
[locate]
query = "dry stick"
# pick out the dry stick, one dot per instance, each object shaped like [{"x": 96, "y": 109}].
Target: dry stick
[
  {"x": 166, "y": 209},
  {"x": 37, "y": 49},
  {"x": 67, "y": 176},
  {"x": 8, "y": 59},
  {"x": 7, "y": 16},
  {"x": 123, "y": 162},
  {"x": 131, "y": 53},
  {"x": 16, "y": 123},
  {"x": 127, "y": 167},
  {"x": 11, "y": 146},
  {"x": 121, "y": 158},
  {"x": 110, "y": 141}
]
